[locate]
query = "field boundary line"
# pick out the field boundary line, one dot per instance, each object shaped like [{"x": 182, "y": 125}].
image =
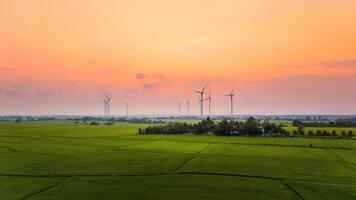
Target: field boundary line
[
  {"x": 192, "y": 157},
  {"x": 46, "y": 188},
  {"x": 9, "y": 148},
  {"x": 227, "y": 174},
  {"x": 353, "y": 165},
  {"x": 260, "y": 177},
  {"x": 292, "y": 189}
]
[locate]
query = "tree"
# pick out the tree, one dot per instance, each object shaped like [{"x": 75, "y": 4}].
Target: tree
[
  {"x": 326, "y": 133},
  {"x": 343, "y": 133},
  {"x": 205, "y": 126},
  {"x": 333, "y": 133},
  {"x": 93, "y": 123},
  {"x": 295, "y": 133},
  {"x": 350, "y": 134},
  {"x": 251, "y": 127},
  {"x": 300, "y": 130}
]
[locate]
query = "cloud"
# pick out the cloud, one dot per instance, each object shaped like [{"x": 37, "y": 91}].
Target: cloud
[
  {"x": 6, "y": 69},
  {"x": 160, "y": 76},
  {"x": 43, "y": 94},
  {"x": 341, "y": 63},
  {"x": 150, "y": 86},
  {"x": 140, "y": 76},
  {"x": 13, "y": 92}
]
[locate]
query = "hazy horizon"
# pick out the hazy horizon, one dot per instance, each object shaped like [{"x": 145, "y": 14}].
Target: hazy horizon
[{"x": 280, "y": 57}]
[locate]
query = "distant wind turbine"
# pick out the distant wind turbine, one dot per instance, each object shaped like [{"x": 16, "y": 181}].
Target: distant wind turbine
[
  {"x": 231, "y": 95},
  {"x": 106, "y": 101},
  {"x": 201, "y": 99}
]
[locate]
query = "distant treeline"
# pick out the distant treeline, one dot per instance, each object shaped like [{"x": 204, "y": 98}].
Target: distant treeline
[
  {"x": 349, "y": 123},
  {"x": 251, "y": 127},
  {"x": 99, "y": 120},
  {"x": 131, "y": 120},
  {"x": 109, "y": 121}
]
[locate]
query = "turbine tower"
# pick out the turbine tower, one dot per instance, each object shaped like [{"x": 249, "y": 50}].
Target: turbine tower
[
  {"x": 127, "y": 109},
  {"x": 231, "y": 95},
  {"x": 188, "y": 105},
  {"x": 201, "y": 99},
  {"x": 179, "y": 110},
  {"x": 106, "y": 101},
  {"x": 209, "y": 99},
  {"x": 105, "y": 106}
]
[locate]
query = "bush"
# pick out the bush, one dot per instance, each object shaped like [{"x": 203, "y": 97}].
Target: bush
[
  {"x": 350, "y": 134},
  {"x": 93, "y": 123}
]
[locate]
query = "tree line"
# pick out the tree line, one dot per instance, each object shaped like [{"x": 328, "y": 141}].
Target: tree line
[
  {"x": 338, "y": 123},
  {"x": 301, "y": 132},
  {"x": 250, "y": 127}
]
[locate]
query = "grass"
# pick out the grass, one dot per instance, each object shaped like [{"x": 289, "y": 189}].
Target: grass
[
  {"x": 325, "y": 191},
  {"x": 168, "y": 187},
  {"x": 22, "y": 187},
  {"x": 292, "y": 163},
  {"x": 64, "y": 160}
]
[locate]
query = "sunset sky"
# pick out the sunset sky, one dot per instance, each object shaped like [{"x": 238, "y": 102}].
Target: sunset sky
[{"x": 280, "y": 57}]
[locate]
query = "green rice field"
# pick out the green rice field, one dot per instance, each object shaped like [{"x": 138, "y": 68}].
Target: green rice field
[{"x": 64, "y": 160}]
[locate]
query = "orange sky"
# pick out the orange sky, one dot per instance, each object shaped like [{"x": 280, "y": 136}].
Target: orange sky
[{"x": 281, "y": 57}]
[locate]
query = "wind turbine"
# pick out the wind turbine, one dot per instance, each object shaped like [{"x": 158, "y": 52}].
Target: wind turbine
[
  {"x": 231, "y": 95},
  {"x": 201, "y": 100},
  {"x": 106, "y": 101}
]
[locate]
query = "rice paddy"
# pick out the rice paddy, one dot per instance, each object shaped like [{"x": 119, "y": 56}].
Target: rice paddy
[{"x": 64, "y": 160}]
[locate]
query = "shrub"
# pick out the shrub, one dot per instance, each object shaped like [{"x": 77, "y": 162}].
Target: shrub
[
  {"x": 93, "y": 123},
  {"x": 350, "y": 134}
]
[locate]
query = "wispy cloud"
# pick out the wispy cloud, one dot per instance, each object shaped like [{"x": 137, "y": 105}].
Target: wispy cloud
[
  {"x": 7, "y": 69},
  {"x": 12, "y": 92},
  {"x": 140, "y": 76},
  {"x": 43, "y": 94},
  {"x": 160, "y": 76},
  {"x": 151, "y": 86},
  {"x": 341, "y": 63}
]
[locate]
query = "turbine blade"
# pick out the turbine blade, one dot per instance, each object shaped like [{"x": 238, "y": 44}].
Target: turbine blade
[
  {"x": 197, "y": 91},
  {"x": 204, "y": 87}
]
